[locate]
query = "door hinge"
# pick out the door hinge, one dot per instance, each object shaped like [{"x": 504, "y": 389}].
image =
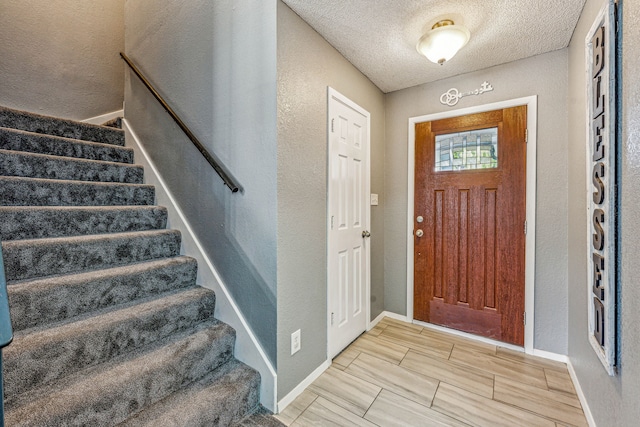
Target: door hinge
[
  {"x": 332, "y": 120},
  {"x": 332, "y": 316},
  {"x": 526, "y": 136},
  {"x": 524, "y": 317},
  {"x": 525, "y": 227},
  {"x": 332, "y": 218}
]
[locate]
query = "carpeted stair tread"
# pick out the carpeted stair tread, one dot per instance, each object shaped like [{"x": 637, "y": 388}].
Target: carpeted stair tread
[
  {"x": 37, "y": 123},
  {"x": 261, "y": 417},
  {"x": 43, "y": 356},
  {"x": 15, "y": 191},
  {"x": 18, "y": 140},
  {"x": 34, "y": 222},
  {"x": 218, "y": 399},
  {"x": 107, "y": 394},
  {"x": 31, "y": 165},
  {"x": 42, "y": 301},
  {"x": 26, "y": 259}
]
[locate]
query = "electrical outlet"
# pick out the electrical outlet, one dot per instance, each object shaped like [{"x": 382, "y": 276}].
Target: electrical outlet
[{"x": 295, "y": 342}]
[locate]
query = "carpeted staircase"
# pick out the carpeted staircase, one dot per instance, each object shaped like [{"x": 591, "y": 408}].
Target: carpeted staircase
[{"x": 110, "y": 326}]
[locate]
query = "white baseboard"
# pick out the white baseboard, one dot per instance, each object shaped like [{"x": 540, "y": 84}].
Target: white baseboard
[
  {"x": 540, "y": 353},
  {"x": 247, "y": 348},
  {"x": 551, "y": 356},
  {"x": 580, "y": 393},
  {"x": 98, "y": 120},
  {"x": 384, "y": 314},
  {"x": 285, "y": 401}
]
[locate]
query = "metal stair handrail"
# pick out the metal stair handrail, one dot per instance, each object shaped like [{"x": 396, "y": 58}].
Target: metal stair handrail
[{"x": 217, "y": 165}]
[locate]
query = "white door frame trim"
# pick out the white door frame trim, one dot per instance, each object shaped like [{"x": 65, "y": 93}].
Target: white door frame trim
[
  {"x": 530, "y": 253},
  {"x": 334, "y": 94}
]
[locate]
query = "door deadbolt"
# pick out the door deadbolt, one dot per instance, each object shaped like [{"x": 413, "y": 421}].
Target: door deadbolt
[
  {"x": 419, "y": 233},
  {"x": 419, "y": 219}
]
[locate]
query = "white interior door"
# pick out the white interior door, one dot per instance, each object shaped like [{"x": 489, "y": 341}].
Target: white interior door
[{"x": 348, "y": 222}]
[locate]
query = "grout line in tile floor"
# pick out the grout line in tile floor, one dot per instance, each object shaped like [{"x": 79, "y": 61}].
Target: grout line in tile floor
[
  {"x": 369, "y": 408},
  {"x": 388, "y": 375}
]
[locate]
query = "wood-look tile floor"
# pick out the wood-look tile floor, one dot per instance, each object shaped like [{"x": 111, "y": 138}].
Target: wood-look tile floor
[{"x": 400, "y": 374}]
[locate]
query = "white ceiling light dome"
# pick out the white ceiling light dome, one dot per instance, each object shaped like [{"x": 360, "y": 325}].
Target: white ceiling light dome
[{"x": 443, "y": 41}]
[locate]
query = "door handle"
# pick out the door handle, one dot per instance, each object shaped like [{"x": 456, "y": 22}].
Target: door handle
[
  {"x": 419, "y": 233},
  {"x": 365, "y": 233}
]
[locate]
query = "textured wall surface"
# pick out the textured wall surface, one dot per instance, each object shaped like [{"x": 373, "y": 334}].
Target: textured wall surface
[
  {"x": 307, "y": 64},
  {"x": 630, "y": 206},
  {"x": 545, "y": 76},
  {"x": 215, "y": 63},
  {"x": 613, "y": 400},
  {"x": 60, "y": 57}
]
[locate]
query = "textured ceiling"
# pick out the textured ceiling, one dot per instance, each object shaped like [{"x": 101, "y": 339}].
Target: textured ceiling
[{"x": 379, "y": 36}]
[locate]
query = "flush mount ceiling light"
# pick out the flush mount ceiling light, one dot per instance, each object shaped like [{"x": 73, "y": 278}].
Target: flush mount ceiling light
[{"x": 443, "y": 41}]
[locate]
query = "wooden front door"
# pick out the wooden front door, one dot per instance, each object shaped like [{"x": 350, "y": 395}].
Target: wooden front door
[{"x": 469, "y": 224}]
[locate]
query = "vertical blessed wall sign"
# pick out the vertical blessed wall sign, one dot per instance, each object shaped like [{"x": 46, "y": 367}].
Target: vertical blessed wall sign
[{"x": 601, "y": 185}]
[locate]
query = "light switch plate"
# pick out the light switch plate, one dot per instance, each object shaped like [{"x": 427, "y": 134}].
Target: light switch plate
[{"x": 374, "y": 199}]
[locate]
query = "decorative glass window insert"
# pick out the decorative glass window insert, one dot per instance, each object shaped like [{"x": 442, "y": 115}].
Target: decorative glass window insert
[{"x": 476, "y": 149}]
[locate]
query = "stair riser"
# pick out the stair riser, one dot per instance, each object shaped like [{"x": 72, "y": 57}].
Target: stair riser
[
  {"x": 16, "y": 140},
  {"x": 41, "y": 222},
  {"x": 33, "y": 258},
  {"x": 14, "y": 163},
  {"x": 59, "y": 127},
  {"x": 110, "y": 396},
  {"x": 230, "y": 408},
  {"x": 34, "y": 192},
  {"x": 220, "y": 399},
  {"x": 42, "y": 358},
  {"x": 54, "y": 299}
]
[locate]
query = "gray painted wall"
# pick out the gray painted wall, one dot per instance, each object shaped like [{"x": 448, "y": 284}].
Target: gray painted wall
[
  {"x": 545, "y": 76},
  {"x": 60, "y": 57},
  {"x": 613, "y": 400},
  {"x": 215, "y": 63},
  {"x": 307, "y": 64}
]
